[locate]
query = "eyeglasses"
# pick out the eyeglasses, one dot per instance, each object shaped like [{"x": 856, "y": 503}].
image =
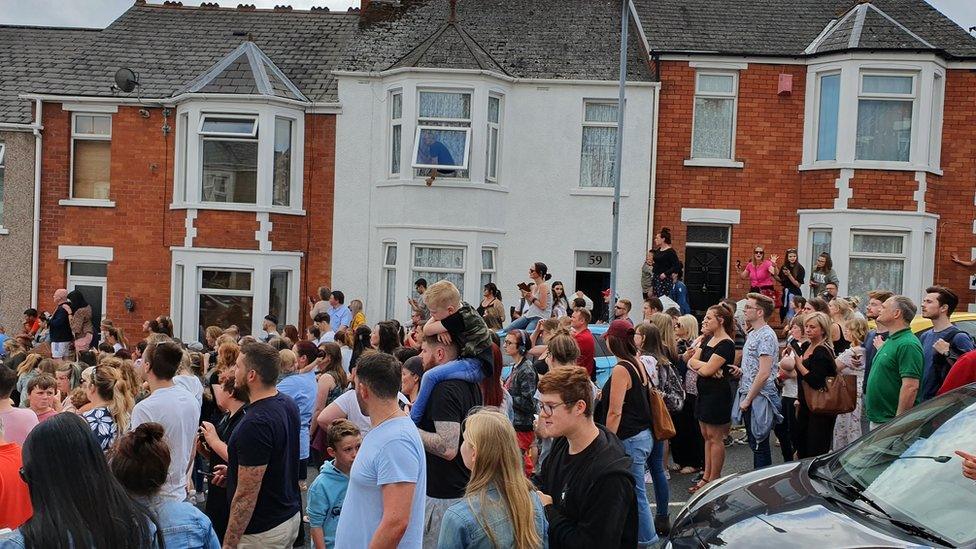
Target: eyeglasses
[
  {"x": 619, "y": 307},
  {"x": 509, "y": 343},
  {"x": 531, "y": 270},
  {"x": 547, "y": 408}
]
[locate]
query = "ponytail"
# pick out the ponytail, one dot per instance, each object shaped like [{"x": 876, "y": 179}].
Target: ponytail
[{"x": 111, "y": 386}]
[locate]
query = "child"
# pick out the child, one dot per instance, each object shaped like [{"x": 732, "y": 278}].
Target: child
[
  {"x": 40, "y": 396},
  {"x": 847, "y": 428},
  {"x": 460, "y": 323},
  {"x": 326, "y": 494}
]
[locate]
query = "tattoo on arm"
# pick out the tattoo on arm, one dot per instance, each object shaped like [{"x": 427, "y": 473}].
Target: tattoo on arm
[
  {"x": 245, "y": 497},
  {"x": 445, "y": 439}
]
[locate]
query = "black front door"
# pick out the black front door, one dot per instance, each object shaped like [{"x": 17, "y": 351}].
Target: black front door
[
  {"x": 706, "y": 275},
  {"x": 592, "y": 283}
]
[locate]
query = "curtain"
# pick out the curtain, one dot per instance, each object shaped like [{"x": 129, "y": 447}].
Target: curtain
[
  {"x": 597, "y": 157},
  {"x": 713, "y": 128},
  {"x": 871, "y": 274},
  {"x": 884, "y": 130},
  {"x": 439, "y": 258},
  {"x": 92, "y": 165},
  {"x": 445, "y": 105},
  {"x": 827, "y": 125},
  {"x": 601, "y": 112},
  {"x": 877, "y": 243}
]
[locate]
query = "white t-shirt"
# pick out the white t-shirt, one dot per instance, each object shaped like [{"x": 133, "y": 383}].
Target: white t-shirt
[
  {"x": 347, "y": 403},
  {"x": 192, "y": 385},
  {"x": 327, "y": 337},
  {"x": 346, "y": 357},
  {"x": 179, "y": 414}
]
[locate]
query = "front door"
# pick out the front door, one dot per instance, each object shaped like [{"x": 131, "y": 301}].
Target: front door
[{"x": 706, "y": 276}]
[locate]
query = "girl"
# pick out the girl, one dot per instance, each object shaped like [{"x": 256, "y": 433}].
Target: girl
[
  {"x": 116, "y": 338},
  {"x": 331, "y": 381},
  {"x": 848, "y": 426},
  {"x": 358, "y": 316},
  {"x": 814, "y": 432},
  {"x": 822, "y": 274},
  {"x": 796, "y": 345},
  {"x": 491, "y": 308},
  {"x": 791, "y": 276},
  {"x": 666, "y": 263},
  {"x": 111, "y": 404},
  {"x": 81, "y": 321},
  {"x": 538, "y": 300},
  {"x": 759, "y": 271},
  {"x": 840, "y": 313},
  {"x": 560, "y": 303},
  {"x": 521, "y": 385},
  {"x": 687, "y": 446}
]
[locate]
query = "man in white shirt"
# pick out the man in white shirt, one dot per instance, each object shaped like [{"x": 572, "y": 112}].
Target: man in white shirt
[
  {"x": 172, "y": 407},
  {"x": 339, "y": 313},
  {"x": 270, "y": 327},
  {"x": 326, "y": 333}
]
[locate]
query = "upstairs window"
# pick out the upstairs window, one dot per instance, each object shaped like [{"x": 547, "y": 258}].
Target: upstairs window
[
  {"x": 828, "y": 108},
  {"x": 396, "y": 133},
  {"x": 230, "y": 158},
  {"x": 442, "y": 142},
  {"x": 884, "y": 117},
  {"x": 713, "y": 129},
  {"x": 598, "y": 156},
  {"x": 91, "y": 156},
  {"x": 494, "y": 130},
  {"x": 281, "y": 186}
]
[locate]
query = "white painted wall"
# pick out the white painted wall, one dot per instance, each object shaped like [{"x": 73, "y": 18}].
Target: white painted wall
[{"x": 536, "y": 211}]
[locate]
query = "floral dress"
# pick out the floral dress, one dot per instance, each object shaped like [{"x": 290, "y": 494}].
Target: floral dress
[
  {"x": 103, "y": 426},
  {"x": 848, "y": 426}
]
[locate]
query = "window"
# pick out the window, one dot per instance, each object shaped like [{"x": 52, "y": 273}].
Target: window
[
  {"x": 177, "y": 312},
  {"x": 230, "y": 159},
  {"x": 3, "y": 150},
  {"x": 487, "y": 266},
  {"x": 819, "y": 243},
  {"x": 828, "y": 112},
  {"x": 389, "y": 278},
  {"x": 396, "y": 133},
  {"x": 494, "y": 127},
  {"x": 439, "y": 263},
  {"x": 935, "y": 131},
  {"x": 281, "y": 185},
  {"x": 598, "y": 156},
  {"x": 226, "y": 298},
  {"x": 91, "y": 145},
  {"x": 877, "y": 260},
  {"x": 182, "y": 130},
  {"x": 442, "y": 141},
  {"x": 884, "y": 117},
  {"x": 91, "y": 279},
  {"x": 278, "y": 297},
  {"x": 713, "y": 130}
]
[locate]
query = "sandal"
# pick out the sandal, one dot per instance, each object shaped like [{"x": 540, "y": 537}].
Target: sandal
[
  {"x": 688, "y": 470},
  {"x": 674, "y": 467},
  {"x": 698, "y": 486}
]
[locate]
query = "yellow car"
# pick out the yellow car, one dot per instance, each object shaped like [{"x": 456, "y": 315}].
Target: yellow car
[{"x": 963, "y": 320}]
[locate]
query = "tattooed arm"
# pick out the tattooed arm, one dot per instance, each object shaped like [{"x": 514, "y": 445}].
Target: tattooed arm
[
  {"x": 444, "y": 441},
  {"x": 242, "y": 506}
]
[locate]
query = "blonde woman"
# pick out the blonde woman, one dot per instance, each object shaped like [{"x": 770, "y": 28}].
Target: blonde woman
[
  {"x": 687, "y": 446},
  {"x": 848, "y": 426},
  {"x": 814, "y": 432},
  {"x": 111, "y": 404},
  {"x": 500, "y": 506},
  {"x": 358, "y": 316},
  {"x": 840, "y": 312}
]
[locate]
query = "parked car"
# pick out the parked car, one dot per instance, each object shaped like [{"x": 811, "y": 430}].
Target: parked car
[
  {"x": 604, "y": 358},
  {"x": 964, "y": 321},
  {"x": 900, "y": 485}
]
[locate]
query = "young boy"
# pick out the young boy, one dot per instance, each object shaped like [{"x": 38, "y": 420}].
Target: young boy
[
  {"x": 326, "y": 494},
  {"x": 460, "y": 323},
  {"x": 40, "y": 396}
]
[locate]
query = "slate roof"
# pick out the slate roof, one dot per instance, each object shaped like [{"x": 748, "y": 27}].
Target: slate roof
[
  {"x": 867, "y": 27},
  {"x": 246, "y": 70},
  {"x": 788, "y": 27},
  {"x": 24, "y": 51},
  {"x": 552, "y": 39}
]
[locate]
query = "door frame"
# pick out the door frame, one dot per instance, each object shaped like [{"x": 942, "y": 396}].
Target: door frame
[
  {"x": 727, "y": 246},
  {"x": 75, "y": 280}
]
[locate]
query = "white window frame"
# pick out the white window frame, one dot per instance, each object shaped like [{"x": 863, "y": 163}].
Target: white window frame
[
  {"x": 816, "y": 116},
  {"x": 588, "y": 124},
  {"x": 492, "y": 155},
  {"x": 414, "y": 268},
  {"x": 491, "y": 271},
  {"x": 389, "y": 298},
  {"x": 395, "y": 122},
  {"x": 456, "y": 167},
  {"x": 85, "y": 280},
  {"x": 880, "y": 96},
  {"x": 903, "y": 256},
  {"x": 729, "y": 162},
  {"x": 188, "y": 165},
  {"x": 76, "y": 136},
  {"x": 253, "y": 134},
  {"x": 421, "y": 123},
  {"x": 251, "y": 137}
]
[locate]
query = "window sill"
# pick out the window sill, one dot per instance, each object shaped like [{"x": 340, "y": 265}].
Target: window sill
[
  {"x": 4, "y": 230},
  {"x": 713, "y": 163},
  {"x": 87, "y": 202},
  {"x": 870, "y": 165},
  {"x": 235, "y": 208},
  {"x": 597, "y": 191},
  {"x": 445, "y": 183}
]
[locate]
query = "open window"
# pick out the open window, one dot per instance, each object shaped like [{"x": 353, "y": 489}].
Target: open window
[{"x": 442, "y": 141}]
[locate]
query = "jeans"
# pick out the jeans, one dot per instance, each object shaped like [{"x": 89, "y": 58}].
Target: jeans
[
  {"x": 639, "y": 448},
  {"x": 785, "y": 430},
  {"x": 523, "y": 322},
  {"x": 761, "y": 456},
  {"x": 662, "y": 488}
]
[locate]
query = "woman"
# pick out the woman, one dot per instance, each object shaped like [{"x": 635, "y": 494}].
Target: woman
[
  {"x": 791, "y": 276},
  {"x": 538, "y": 300},
  {"x": 560, "y": 303},
  {"x": 141, "y": 463},
  {"x": 232, "y": 401},
  {"x": 840, "y": 313},
  {"x": 500, "y": 507},
  {"x": 491, "y": 308},
  {"x": 669, "y": 347},
  {"x": 711, "y": 356},
  {"x": 82, "y": 327},
  {"x": 68, "y": 377},
  {"x": 331, "y": 381},
  {"x": 759, "y": 272},
  {"x": 822, "y": 274},
  {"x": 358, "y": 316},
  {"x": 362, "y": 338},
  {"x": 816, "y": 305},
  {"x": 384, "y": 338},
  {"x": 666, "y": 263},
  {"x": 814, "y": 432},
  {"x": 290, "y": 333},
  {"x": 626, "y": 411},
  {"x": 43, "y": 334},
  {"x": 848, "y": 426},
  {"x": 116, "y": 338},
  {"x": 111, "y": 404},
  {"x": 521, "y": 385},
  {"x": 410, "y": 374},
  {"x": 687, "y": 446},
  {"x": 76, "y": 500},
  {"x": 796, "y": 345}
]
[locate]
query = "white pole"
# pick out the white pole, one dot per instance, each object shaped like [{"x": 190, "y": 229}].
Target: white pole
[{"x": 618, "y": 163}]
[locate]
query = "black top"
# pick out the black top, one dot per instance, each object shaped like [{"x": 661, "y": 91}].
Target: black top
[
  {"x": 218, "y": 505},
  {"x": 841, "y": 345},
  {"x": 450, "y": 401},
  {"x": 471, "y": 336},
  {"x": 665, "y": 261},
  {"x": 268, "y": 435},
  {"x": 593, "y": 499},
  {"x": 60, "y": 326},
  {"x": 799, "y": 273},
  {"x": 726, "y": 350},
  {"x": 635, "y": 415},
  {"x": 820, "y": 365}
]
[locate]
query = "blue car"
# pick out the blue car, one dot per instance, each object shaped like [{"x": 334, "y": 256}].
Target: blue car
[{"x": 605, "y": 360}]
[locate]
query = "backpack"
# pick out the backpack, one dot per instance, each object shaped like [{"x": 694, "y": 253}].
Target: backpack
[
  {"x": 941, "y": 364},
  {"x": 671, "y": 386}
]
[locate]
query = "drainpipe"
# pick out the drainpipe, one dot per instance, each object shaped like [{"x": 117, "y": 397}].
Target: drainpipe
[{"x": 35, "y": 247}]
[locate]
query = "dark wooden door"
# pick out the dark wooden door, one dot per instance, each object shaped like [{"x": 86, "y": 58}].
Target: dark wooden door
[{"x": 706, "y": 275}]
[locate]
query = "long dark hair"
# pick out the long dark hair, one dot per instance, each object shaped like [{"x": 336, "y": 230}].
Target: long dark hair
[
  {"x": 626, "y": 350},
  {"x": 542, "y": 270},
  {"x": 77, "y": 300},
  {"x": 493, "y": 290},
  {"x": 360, "y": 344},
  {"x": 77, "y": 501},
  {"x": 828, "y": 263},
  {"x": 388, "y": 337},
  {"x": 491, "y": 386}
]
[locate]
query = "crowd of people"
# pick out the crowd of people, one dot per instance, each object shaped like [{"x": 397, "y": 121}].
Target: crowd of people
[{"x": 418, "y": 438}]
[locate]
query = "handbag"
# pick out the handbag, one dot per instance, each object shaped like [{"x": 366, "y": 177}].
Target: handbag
[
  {"x": 839, "y": 395},
  {"x": 661, "y": 424}
]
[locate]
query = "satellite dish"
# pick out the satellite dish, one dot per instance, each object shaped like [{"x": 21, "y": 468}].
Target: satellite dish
[{"x": 126, "y": 80}]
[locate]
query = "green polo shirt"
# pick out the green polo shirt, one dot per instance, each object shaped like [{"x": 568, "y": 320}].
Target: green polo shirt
[{"x": 899, "y": 357}]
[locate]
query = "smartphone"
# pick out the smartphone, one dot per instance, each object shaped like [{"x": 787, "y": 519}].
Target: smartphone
[{"x": 204, "y": 473}]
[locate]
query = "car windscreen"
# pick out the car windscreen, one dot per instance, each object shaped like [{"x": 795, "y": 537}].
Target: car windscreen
[{"x": 909, "y": 467}]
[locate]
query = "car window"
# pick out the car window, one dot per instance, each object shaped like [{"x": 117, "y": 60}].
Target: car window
[
  {"x": 894, "y": 465},
  {"x": 601, "y": 347}
]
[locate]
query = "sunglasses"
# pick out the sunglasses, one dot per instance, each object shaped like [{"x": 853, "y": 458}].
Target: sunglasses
[{"x": 759, "y": 252}]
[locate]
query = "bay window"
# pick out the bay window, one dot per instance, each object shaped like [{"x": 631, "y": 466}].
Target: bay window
[
  {"x": 230, "y": 159},
  {"x": 443, "y": 138},
  {"x": 598, "y": 157},
  {"x": 435, "y": 263},
  {"x": 877, "y": 260},
  {"x": 884, "y": 117},
  {"x": 713, "y": 129},
  {"x": 829, "y": 87}
]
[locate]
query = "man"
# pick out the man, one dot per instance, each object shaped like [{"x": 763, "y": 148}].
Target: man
[
  {"x": 580, "y": 322},
  {"x": 320, "y": 306},
  {"x": 440, "y": 431},
  {"x": 418, "y": 304},
  {"x": 757, "y": 394},
  {"x": 32, "y": 321},
  {"x": 585, "y": 483},
  {"x": 384, "y": 505},
  {"x": 270, "y": 327},
  {"x": 652, "y": 305},
  {"x": 896, "y": 370},
  {"x": 324, "y": 323},
  {"x": 60, "y": 326},
  {"x": 262, "y": 465},
  {"x": 679, "y": 292},
  {"x": 944, "y": 343},
  {"x": 173, "y": 407},
  {"x": 830, "y": 292},
  {"x": 340, "y": 315},
  {"x": 621, "y": 310},
  {"x": 876, "y": 299}
]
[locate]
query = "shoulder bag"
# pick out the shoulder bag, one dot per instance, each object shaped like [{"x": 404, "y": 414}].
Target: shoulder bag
[
  {"x": 838, "y": 396},
  {"x": 662, "y": 426}
]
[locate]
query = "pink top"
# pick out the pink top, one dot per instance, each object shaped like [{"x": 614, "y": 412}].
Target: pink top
[
  {"x": 46, "y": 415},
  {"x": 760, "y": 276},
  {"x": 18, "y": 422}
]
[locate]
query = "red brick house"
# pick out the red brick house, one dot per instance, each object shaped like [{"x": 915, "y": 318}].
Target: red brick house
[
  {"x": 824, "y": 126},
  {"x": 205, "y": 192}
]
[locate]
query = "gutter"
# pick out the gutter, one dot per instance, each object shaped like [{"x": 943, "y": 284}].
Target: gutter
[
  {"x": 36, "y": 238},
  {"x": 313, "y": 107},
  {"x": 10, "y": 127}
]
